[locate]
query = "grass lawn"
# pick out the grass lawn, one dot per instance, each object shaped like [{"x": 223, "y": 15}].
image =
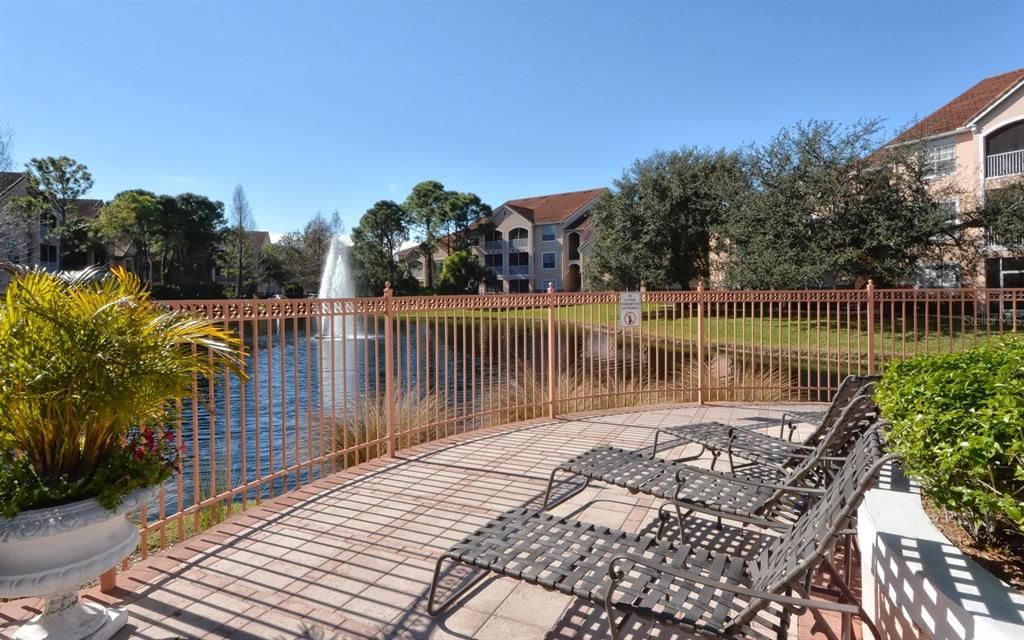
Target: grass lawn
[{"x": 818, "y": 334}]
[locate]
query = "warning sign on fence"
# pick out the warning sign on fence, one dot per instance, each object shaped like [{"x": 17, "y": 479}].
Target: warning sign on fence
[{"x": 629, "y": 309}]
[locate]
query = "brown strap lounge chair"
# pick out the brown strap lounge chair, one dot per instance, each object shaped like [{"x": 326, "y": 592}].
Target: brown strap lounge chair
[
  {"x": 765, "y": 493},
  {"x": 756, "y": 446},
  {"x": 713, "y": 594}
]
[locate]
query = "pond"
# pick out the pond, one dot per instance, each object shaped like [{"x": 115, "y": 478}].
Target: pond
[{"x": 281, "y": 417}]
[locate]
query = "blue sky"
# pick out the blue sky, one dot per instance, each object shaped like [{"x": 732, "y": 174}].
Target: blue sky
[{"x": 317, "y": 106}]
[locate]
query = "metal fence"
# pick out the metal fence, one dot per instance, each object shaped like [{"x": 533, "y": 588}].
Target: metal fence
[{"x": 333, "y": 383}]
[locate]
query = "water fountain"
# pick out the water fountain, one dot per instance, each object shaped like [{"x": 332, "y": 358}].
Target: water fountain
[{"x": 336, "y": 282}]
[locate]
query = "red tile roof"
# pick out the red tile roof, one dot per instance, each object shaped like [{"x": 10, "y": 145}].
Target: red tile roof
[
  {"x": 555, "y": 207},
  {"x": 963, "y": 108}
]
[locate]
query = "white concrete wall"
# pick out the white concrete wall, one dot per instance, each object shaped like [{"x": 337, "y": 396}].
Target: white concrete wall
[{"x": 916, "y": 584}]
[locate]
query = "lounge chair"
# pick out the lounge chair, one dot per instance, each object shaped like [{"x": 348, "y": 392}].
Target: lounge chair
[
  {"x": 714, "y": 594},
  {"x": 767, "y": 492},
  {"x": 755, "y": 446}
]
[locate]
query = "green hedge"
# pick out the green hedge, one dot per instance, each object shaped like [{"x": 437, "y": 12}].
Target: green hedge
[{"x": 958, "y": 423}]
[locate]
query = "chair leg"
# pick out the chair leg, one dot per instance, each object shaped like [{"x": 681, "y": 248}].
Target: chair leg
[
  {"x": 680, "y": 516},
  {"x": 434, "y": 609},
  {"x": 714, "y": 458},
  {"x": 851, "y": 598},
  {"x": 819, "y": 619},
  {"x": 663, "y": 518},
  {"x": 614, "y": 629},
  {"x": 551, "y": 482}
]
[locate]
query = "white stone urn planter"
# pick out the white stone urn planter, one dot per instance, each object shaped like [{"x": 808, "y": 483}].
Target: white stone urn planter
[{"x": 51, "y": 552}]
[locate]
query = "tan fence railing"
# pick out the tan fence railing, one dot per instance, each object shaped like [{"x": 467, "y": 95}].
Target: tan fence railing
[{"x": 333, "y": 383}]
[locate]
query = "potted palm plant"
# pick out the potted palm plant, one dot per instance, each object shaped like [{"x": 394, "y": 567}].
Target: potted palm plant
[{"x": 90, "y": 372}]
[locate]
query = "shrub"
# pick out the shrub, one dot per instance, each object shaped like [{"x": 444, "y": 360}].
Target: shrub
[
  {"x": 958, "y": 423},
  {"x": 90, "y": 371}
]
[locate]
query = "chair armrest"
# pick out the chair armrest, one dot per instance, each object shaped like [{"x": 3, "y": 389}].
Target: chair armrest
[
  {"x": 787, "y": 421},
  {"x": 617, "y": 574}
]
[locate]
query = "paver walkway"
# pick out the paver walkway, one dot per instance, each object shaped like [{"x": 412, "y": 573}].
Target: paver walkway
[{"x": 352, "y": 555}]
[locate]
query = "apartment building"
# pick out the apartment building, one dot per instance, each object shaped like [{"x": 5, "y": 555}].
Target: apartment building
[
  {"x": 972, "y": 147},
  {"x": 527, "y": 243},
  {"x": 29, "y": 242}
]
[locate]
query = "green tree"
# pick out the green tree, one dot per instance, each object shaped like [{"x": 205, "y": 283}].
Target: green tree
[
  {"x": 296, "y": 261},
  {"x": 241, "y": 260},
  {"x": 129, "y": 223},
  {"x": 826, "y": 207},
  {"x": 19, "y": 218},
  {"x": 656, "y": 227},
  {"x": 462, "y": 273},
  {"x": 429, "y": 212},
  {"x": 279, "y": 263},
  {"x": 187, "y": 247},
  {"x": 58, "y": 183},
  {"x": 375, "y": 243},
  {"x": 316, "y": 240},
  {"x": 462, "y": 211},
  {"x": 1003, "y": 215}
]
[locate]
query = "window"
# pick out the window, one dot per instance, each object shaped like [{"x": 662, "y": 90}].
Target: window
[
  {"x": 474, "y": 241},
  {"x": 950, "y": 209},
  {"x": 547, "y": 233},
  {"x": 493, "y": 260},
  {"x": 47, "y": 253},
  {"x": 547, "y": 261},
  {"x": 11, "y": 250},
  {"x": 519, "y": 286},
  {"x": 940, "y": 160},
  {"x": 938, "y": 275}
]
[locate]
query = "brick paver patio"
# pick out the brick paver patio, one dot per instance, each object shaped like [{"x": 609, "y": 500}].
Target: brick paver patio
[{"x": 352, "y": 555}]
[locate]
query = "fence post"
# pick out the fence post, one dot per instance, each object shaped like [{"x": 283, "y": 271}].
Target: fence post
[
  {"x": 551, "y": 350},
  {"x": 108, "y": 581},
  {"x": 389, "y": 369},
  {"x": 871, "y": 327},
  {"x": 700, "y": 343}
]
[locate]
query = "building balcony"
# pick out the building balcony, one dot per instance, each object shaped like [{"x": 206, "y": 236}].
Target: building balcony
[
  {"x": 519, "y": 270},
  {"x": 494, "y": 246},
  {"x": 519, "y": 245},
  {"x": 999, "y": 165}
]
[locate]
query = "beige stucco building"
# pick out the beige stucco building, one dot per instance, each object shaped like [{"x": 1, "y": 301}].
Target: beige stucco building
[
  {"x": 528, "y": 243},
  {"x": 973, "y": 146}
]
